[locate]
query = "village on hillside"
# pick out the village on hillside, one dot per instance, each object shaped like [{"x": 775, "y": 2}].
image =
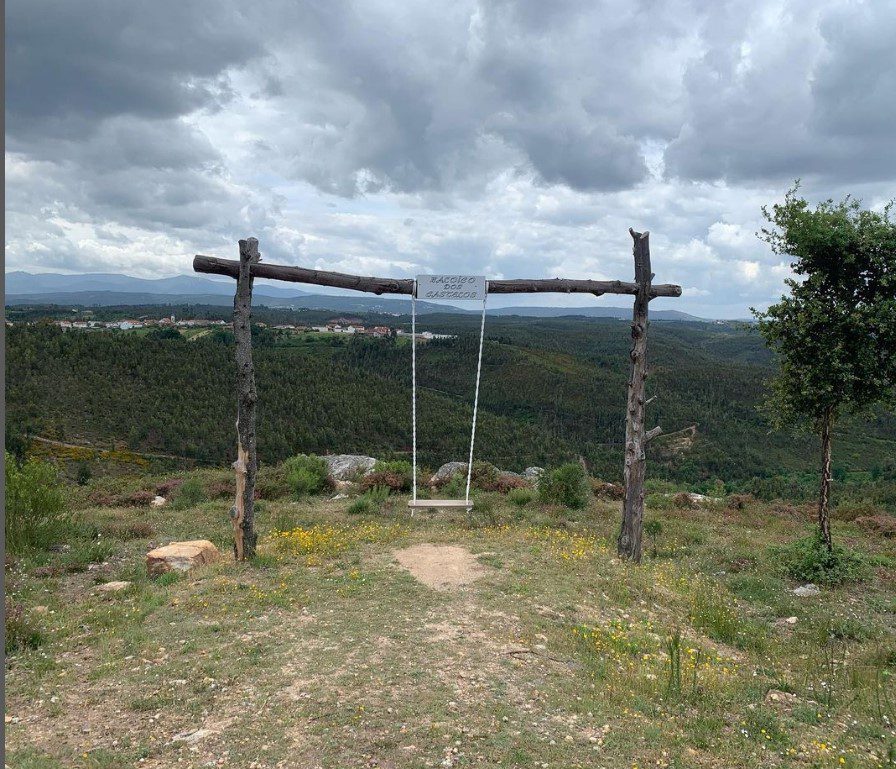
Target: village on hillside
[{"x": 351, "y": 326}]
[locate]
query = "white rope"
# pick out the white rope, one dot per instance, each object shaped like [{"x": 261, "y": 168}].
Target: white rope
[
  {"x": 476, "y": 398},
  {"x": 414, "y": 386}
]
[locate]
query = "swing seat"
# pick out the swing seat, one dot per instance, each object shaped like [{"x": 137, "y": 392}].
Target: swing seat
[{"x": 426, "y": 503}]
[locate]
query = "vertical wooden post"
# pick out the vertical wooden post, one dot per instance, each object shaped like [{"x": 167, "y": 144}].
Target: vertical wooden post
[
  {"x": 243, "y": 511},
  {"x": 629, "y": 543}
]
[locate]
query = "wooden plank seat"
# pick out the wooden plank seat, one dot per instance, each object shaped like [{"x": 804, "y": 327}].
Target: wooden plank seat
[{"x": 415, "y": 503}]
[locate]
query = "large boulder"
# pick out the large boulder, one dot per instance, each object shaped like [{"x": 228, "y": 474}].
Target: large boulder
[
  {"x": 446, "y": 472},
  {"x": 532, "y": 474},
  {"x": 181, "y": 556},
  {"x": 347, "y": 467}
]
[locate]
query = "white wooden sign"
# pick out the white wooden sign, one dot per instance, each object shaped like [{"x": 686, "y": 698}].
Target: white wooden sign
[{"x": 454, "y": 287}]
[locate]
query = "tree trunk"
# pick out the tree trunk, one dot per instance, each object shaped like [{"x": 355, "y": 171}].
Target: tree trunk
[
  {"x": 629, "y": 543},
  {"x": 243, "y": 512},
  {"x": 824, "y": 497}
]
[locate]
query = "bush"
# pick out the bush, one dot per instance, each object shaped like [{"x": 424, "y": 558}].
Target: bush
[
  {"x": 653, "y": 528},
  {"x": 507, "y": 482},
  {"x": 520, "y": 497},
  {"x": 167, "y": 487},
  {"x": 36, "y": 514},
  {"x": 370, "y": 502},
  {"x": 849, "y": 511},
  {"x": 20, "y": 633},
  {"x": 740, "y": 501},
  {"x": 396, "y": 476},
  {"x": 658, "y": 501},
  {"x": 809, "y": 560},
  {"x": 604, "y": 490},
  {"x": 84, "y": 474},
  {"x": 306, "y": 474},
  {"x": 190, "y": 493},
  {"x": 566, "y": 485}
]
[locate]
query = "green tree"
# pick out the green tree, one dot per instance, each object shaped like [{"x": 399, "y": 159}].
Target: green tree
[{"x": 835, "y": 333}]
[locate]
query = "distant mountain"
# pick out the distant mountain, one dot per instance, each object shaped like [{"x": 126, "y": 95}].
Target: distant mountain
[
  {"x": 623, "y": 313},
  {"x": 50, "y": 283},
  {"x": 107, "y": 289}
]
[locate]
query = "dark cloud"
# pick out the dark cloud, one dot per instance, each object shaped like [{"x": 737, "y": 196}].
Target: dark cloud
[{"x": 72, "y": 64}]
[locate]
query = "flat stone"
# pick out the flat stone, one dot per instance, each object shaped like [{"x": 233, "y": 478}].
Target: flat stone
[
  {"x": 804, "y": 591},
  {"x": 181, "y": 556},
  {"x": 113, "y": 587}
]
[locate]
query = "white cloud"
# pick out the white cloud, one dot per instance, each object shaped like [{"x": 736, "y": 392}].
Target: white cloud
[{"x": 508, "y": 138}]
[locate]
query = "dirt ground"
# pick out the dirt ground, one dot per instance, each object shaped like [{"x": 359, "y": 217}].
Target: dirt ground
[{"x": 441, "y": 567}]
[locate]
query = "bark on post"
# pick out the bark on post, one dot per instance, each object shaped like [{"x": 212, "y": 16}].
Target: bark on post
[
  {"x": 824, "y": 498},
  {"x": 243, "y": 512},
  {"x": 629, "y": 543}
]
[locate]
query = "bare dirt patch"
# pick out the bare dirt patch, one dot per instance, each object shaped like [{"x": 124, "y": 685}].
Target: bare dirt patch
[{"x": 441, "y": 567}]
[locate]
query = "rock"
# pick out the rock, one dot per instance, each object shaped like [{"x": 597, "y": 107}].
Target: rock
[
  {"x": 804, "y": 591},
  {"x": 532, "y": 474},
  {"x": 347, "y": 467},
  {"x": 158, "y": 501},
  {"x": 791, "y": 620},
  {"x": 181, "y": 556},
  {"x": 446, "y": 472},
  {"x": 41, "y": 610},
  {"x": 339, "y": 496},
  {"x": 779, "y": 697},
  {"x": 113, "y": 587},
  {"x": 191, "y": 738},
  {"x": 343, "y": 486}
]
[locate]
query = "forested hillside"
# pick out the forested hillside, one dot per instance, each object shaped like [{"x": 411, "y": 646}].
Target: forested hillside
[{"x": 552, "y": 389}]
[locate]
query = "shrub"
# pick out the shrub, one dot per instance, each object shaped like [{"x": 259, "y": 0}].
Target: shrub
[
  {"x": 507, "y": 482},
  {"x": 604, "y": 490},
  {"x": 484, "y": 476},
  {"x": 849, "y": 511},
  {"x": 456, "y": 488},
  {"x": 138, "y": 498},
  {"x": 395, "y": 476},
  {"x": 36, "y": 514},
  {"x": 658, "y": 501},
  {"x": 809, "y": 560},
  {"x": 83, "y": 474},
  {"x": 740, "y": 501},
  {"x": 306, "y": 474},
  {"x": 370, "y": 502},
  {"x": 20, "y": 633},
  {"x": 884, "y": 525},
  {"x": 190, "y": 493},
  {"x": 566, "y": 485},
  {"x": 167, "y": 487},
  {"x": 653, "y": 528},
  {"x": 683, "y": 500},
  {"x": 521, "y": 497}
]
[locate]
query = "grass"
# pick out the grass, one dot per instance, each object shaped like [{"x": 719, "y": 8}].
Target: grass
[{"x": 324, "y": 653}]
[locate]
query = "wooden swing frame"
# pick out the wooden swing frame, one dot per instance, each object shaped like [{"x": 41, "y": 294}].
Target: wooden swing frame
[{"x": 249, "y": 267}]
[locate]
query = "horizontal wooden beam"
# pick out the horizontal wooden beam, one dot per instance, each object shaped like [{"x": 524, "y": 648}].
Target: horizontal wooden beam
[{"x": 231, "y": 267}]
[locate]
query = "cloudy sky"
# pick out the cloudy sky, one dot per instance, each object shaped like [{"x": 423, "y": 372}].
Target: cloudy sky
[{"x": 511, "y": 139}]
